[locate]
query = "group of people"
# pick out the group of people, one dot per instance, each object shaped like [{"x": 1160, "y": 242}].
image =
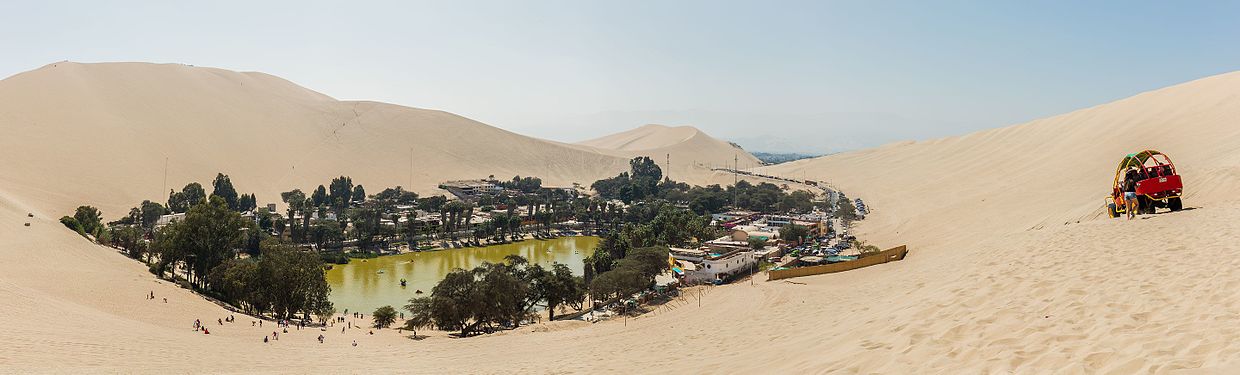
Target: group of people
[
  {"x": 152, "y": 297},
  {"x": 198, "y": 327},
  {"x": 284, "y": 324},
  {"x": 275, "y": 335}
]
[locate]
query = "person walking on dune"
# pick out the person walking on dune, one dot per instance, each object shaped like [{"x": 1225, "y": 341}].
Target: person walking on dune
[{"x": 1130, "y": 194}]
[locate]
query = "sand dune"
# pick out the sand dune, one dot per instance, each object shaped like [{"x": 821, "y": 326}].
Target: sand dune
[
  {"x": 1002, "y": 277},
  {"x": 691, "y": 152},
  {"x": 648, "y": 137},
  {"x": 100, "y": 133},
  {"x": 1044, "y": 173}
]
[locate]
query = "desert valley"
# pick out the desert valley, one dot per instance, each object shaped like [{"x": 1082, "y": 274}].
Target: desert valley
[{"x": 1013, "y": 263}]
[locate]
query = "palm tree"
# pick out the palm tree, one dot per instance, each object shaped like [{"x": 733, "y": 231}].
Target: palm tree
[
  {"x": 512, "y": 211},
  {"x": 469, "y": 217}
]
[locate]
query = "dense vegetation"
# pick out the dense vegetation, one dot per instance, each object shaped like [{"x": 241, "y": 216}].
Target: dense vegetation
[
  {"x": 495, "y": 295},
  {"x": 213, "y": 249},
  {"x": 283, "y": 280},
  {"x": 272, "y": 262},
  {"x": 776, "y": 158},
  {"x": 642, "y": 184}
]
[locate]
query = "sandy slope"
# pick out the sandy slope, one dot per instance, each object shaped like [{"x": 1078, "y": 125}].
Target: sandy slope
[
  {"x": 691, "y": 152},
  {"x": 996, "y": 282},
  {"x": 99, "y": 133},
  {"x": 1044, "y": 173}
]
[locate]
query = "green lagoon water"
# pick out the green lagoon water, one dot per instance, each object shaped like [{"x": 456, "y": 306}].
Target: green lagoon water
[{"x": 358, "y": 286}]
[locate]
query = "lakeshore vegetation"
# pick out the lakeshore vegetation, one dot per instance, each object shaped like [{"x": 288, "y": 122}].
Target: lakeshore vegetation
[{"x": 272, "y": 263}]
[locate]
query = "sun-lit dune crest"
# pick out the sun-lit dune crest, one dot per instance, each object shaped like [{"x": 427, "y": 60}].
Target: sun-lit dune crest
[{"x": 690, "y": 152}]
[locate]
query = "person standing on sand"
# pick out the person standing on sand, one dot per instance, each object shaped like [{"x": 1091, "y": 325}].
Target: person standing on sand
[{"x": 1130, "y": 194}]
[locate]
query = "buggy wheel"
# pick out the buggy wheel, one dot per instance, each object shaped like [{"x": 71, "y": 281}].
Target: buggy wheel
[
  {"x": 1175, "y": 204},
  {"x": 1145, "y": 206},
  {"x": 1111, "y": 210}
]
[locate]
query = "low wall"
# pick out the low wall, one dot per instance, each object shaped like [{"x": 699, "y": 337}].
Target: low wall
[{"x": 889, "y": 255}]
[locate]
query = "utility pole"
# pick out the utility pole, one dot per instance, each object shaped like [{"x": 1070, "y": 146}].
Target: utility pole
[
  {"x": 736, "y": 179},
  {"x": 668, "y": 173}
]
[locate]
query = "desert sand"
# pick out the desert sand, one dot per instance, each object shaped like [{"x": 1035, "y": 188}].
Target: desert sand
[
  {"x": 684, "y": 152},
  {"x": 102, "y": 133},
  {"x": 1013, "y": 266}
]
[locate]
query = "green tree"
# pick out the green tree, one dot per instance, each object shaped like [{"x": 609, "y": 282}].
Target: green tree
[
  {"x": 247, "y": 202},
  {"x": 396, "y": 195},
  {"x": 89, "y": 219},
  {"x": 223, "y": 188},
  {"x": 646, "y": 175},
  {"x": 845, "y": 209},
  {"x": 617, "y": 282},
  {"x": 366, "y": 225},
  {"x": 421, "y": 314},
  {"x": 340, "y": 192},
  {"x": 166, "y": 246},
  {"x": 73, "y": 225},
  {"x": 129, "y": 238},
  {"x": 295, "y": 199},
  {"x": 757, "y": 243},
  {"x": 325, "y": 232},
  {"x": 502, "y": 294},
  {"x": 209, "y": 233},
  {"x": 454, "y": 301},
  {"x": 194, "y": 194},
  {"x": 793, "y": 233},
  {"x": 151, "y": 212},
  {"x": 319, "y": 196},
  {"x": 384, "y": 317},
  {"x": 292, "y": 281},
  {"x": 235, "y": 282},
  {"x": 561, "y": 287},
  {"x": 177, "y": 203},
  {"x": 432, "y": 203},
  {"x": 359, "y": 194}
]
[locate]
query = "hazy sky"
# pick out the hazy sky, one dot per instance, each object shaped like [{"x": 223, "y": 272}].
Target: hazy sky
[{"x": 804, "y": 76}]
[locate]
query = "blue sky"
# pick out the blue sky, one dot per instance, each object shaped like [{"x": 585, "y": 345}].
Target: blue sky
[{"x": 813, "y": 76}]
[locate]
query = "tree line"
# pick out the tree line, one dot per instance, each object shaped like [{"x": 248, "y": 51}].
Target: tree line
[
  {"x": 214, "y": 250},
  {"x": 644, "y": 182},
  {"x": 493, "y": 296}
]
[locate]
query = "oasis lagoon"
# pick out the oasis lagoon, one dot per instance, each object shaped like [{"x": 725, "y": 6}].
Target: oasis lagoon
[{"x": 364, "y": 285}]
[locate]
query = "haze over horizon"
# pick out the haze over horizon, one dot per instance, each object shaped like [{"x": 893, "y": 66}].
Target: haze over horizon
[{"x": 796, "y": 76}]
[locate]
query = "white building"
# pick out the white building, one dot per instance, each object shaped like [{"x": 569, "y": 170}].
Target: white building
[
  {"x": 721, "y": 268},
  {"x": 168, "y": 219}
]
